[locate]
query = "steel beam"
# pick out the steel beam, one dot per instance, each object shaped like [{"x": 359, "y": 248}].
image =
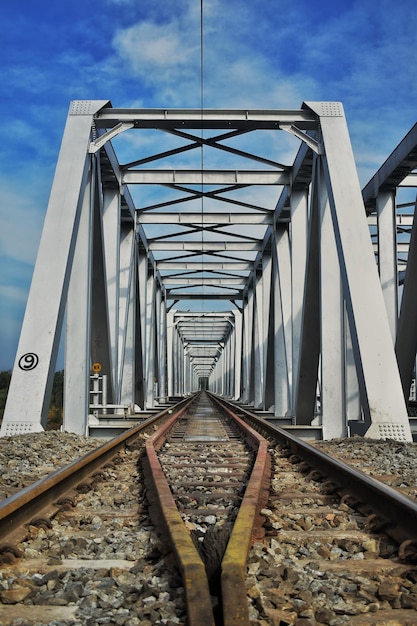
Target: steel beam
[
  {"x": 204, "y": 177},
  {"x": 78, "y": 324},
  {"x": 205, "y": 246},
  {"x": 332, "y": 331},
  {"x": 210, "y": 266},
  {"x": 206, "y": 218},
  {"x": 282, "y": 269},
  {"x": 381, "y": 391},
  {"x": 207, "y": 118},
  {"x": 387, "y": 255},
  {"x": 282, "y": 322},
  {"x": 29, "y": 393}
]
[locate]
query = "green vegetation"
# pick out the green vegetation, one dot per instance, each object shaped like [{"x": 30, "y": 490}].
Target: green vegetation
[
  {"x": 55, "y": 408},
  {"x": 5, "y": 377}
]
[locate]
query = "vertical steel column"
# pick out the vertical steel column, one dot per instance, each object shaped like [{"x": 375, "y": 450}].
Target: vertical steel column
[
  {"x": 267, "y": 332},
  {"x": 258, "y": 342},
  {"x": 100, "y": 310},
  {"x": 226, "y": 361},
  {"x": 162, "y": 350},
  {"x": 231, "y": 378},
  {"x": 150, "y": 340},
  {"x": 353, "y": 401},
  {"x": 406, "y": 342},
  {"x": 180, "y": 366},
  {"x": 387, "y": 254},
  {"x": 282, "y": 321},
  {"x": 299, "y": 220},
  {"x": 382, "y": 397},
  {"x": 309, "y": 344},
  {"x": 142, "y": 302},
  {"x": 187, "y": 377},
  {"x": 33, "y": 372},
  {"x": 222, "y": 386},
  {"x": 333, "y": 411},
  {"x": 111, "y": 240},
  {"x": 247, "y": 346},
  {"x": 230, "y": 365},
  {"x": 78, "y": 324},
  {"x": 170, "y": 330},
  {"x": 127, "y": 317},
  {"x": 238, "y": 328},
  {"x": 159, "y": 364}
]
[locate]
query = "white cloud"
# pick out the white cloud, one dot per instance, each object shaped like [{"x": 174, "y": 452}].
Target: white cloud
[
  {"x": 158, "y": 52},
  {"x": 21, "y": 225},
  {"x": 16, "y": 295}
]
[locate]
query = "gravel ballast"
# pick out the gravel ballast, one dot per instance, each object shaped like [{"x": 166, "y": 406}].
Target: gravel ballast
[{"x": 287, "y": 582}]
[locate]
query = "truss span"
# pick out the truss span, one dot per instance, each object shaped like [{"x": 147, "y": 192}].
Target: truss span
[{"x": 222, "y": 249}]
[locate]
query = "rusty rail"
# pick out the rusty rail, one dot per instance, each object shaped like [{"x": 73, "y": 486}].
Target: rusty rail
[
  {"x": 235, "y": 606},
  {"x": 196, "y": 587},
  {"x": 398, "y": 512},
  {"x": 34, "y": 500},
  {"x": 199, "y": 605}
]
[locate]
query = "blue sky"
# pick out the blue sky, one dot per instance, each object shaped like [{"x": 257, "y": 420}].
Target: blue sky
[{"x": 146, "y": 53}]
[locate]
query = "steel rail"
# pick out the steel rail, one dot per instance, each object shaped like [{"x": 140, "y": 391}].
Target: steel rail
[
  {"x": 34, "y": 500},
  {"x": 397, "y": 513},
  {"x": 233, "y": 566},
  {"x": 235, "y": 610},
  {"x": 196, "y": 586}
]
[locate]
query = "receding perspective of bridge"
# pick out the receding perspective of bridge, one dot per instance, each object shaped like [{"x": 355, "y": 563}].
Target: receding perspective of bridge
[{"x": 275, "y": 285}]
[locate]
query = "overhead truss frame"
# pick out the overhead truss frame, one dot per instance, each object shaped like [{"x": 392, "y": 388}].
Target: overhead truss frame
[{"x": 304, "y": 324}]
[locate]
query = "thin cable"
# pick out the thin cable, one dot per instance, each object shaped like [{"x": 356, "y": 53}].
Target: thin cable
[{"x": 202, "y": 135}]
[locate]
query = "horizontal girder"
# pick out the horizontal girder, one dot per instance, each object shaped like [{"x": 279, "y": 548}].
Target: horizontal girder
[
  {"x": 204, "y": 177},
  {"x": 210, "y": 266},
  {"x": 206, "y": 218},
  {"x": 203, "y": 295},
  {"x": 206, "y": 118},
  {"x": 205, "y": 246},
  {"x": 205, "y": 281}
]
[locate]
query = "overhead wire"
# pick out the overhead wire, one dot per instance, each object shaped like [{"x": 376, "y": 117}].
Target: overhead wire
[{"x": 202, "y": 136}]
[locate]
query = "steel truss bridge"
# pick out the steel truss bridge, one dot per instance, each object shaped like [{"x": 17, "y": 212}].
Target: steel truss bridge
[{"x": 295, "y": 271}]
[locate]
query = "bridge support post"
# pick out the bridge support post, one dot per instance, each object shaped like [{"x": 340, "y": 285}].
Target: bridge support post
[
  {"x": 387, "y": 255},
  {"x": 299, "y": 247},
  {"x": 332, "y": 331},
  {"x": 33, "y": 372},
  {"x": 282, "y": 322},
  {"x": 382, "y": 398},
  {"x": 238, "y": 354},
  {"x": 78, "y": 326}
]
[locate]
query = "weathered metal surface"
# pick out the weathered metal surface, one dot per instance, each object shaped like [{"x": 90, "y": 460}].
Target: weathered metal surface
[
  {"x": 196, "y": 586},
  {"x": 399, "y": 511},
  {"x": 235, "y": 609},
  {"x": 22, "y": 506}
]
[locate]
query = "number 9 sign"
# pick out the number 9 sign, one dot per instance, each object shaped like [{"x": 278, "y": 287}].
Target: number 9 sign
[{"x": 28, "y": 361}]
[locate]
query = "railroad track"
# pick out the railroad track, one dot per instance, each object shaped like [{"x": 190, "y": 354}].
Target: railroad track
[
  {"x": 335, "y": 546},
  {"x": 340, "y": 546},
  {"x": 78, "y": 547},
  {"x": 210, "y": 520}
]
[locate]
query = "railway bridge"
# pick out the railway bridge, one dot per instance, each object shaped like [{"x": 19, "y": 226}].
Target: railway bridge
[{"x": 232, "y": 250}]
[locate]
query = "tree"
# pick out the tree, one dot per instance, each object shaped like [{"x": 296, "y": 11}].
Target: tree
[{"x": 5, "y": 377}]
